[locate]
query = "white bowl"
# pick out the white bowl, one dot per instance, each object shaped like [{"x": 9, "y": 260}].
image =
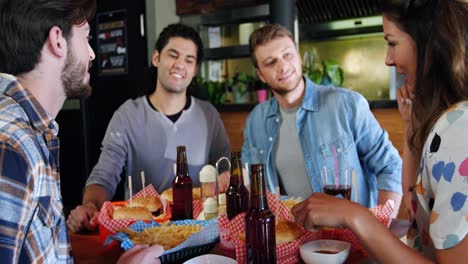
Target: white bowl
[
  {"x": 211, "y": 259},
  {"x": 337, "y": 251}
]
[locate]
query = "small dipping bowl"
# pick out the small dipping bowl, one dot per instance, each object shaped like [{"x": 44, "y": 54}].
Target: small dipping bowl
[{"x": 325, "y": 251}]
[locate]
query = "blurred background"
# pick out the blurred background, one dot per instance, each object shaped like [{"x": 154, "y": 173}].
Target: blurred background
[{"x": 341, "y": 43}]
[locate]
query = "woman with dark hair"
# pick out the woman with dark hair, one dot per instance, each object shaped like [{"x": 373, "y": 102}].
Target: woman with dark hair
[{"x": 427, "y": 42}]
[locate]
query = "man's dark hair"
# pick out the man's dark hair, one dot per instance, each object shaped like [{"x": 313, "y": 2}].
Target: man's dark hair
[
  {"x": 183, "y": 31},
  {"x": 171, "y": 31},
  {"x": 25, "y": 25}
]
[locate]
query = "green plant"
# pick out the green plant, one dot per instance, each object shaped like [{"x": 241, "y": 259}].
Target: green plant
[
  {"x": 213, "y": 91},
  {"x": 329, "y": 73},
  {"x": 325, "y": 72},
  {"x": 240, "y": 82}
]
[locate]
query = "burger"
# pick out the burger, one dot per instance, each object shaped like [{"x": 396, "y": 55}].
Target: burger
[
  {"x": 167, "y": 194},
  {"x": 142, "y": 208},
  {"x": 286, "y": 231},
  {"x": 152, "y": 203},
  {"x": 124, "y": 212}
]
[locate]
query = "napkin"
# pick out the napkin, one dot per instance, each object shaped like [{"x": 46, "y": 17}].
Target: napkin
[{"x": 208, "y": 234}]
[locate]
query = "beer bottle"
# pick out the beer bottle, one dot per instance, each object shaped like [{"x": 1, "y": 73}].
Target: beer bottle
[
  {"x": 182, "y": 188},
  {"x": 259, "y": 221},
  {"x": 237, "y": 195}
]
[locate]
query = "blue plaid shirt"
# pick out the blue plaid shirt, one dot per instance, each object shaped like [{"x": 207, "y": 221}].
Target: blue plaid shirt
[{"x": 32, "y": 223}]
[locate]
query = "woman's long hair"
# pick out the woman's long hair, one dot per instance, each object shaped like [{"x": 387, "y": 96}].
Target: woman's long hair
[{"x": 439, "y": 29}]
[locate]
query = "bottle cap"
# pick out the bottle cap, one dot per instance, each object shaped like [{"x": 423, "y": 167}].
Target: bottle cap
[
  {"x": 208, "y": 174},
  {"x": 210, "y": 206}
]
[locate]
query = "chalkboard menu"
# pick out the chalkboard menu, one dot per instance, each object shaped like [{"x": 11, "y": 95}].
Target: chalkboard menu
[{"x": 112, "y": 56}]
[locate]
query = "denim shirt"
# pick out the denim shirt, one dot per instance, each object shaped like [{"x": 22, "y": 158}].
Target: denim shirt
[{"x": 330, "y": 118}]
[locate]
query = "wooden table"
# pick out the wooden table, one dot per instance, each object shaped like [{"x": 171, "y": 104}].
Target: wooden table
[{"x": 87, "y": 248}]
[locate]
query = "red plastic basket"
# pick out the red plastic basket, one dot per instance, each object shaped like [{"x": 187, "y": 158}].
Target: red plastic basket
[{"x": 107, "y": 226}]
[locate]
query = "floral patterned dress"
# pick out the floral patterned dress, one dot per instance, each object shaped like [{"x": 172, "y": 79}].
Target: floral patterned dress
[{"x": 439, "y": 202}]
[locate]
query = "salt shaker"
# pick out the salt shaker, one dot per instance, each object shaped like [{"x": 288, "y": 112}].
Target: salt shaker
[{"x": 209, "y": 191}]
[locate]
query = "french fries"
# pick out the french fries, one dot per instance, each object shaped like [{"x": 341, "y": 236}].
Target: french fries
[
  {"x": 166, "y": 235},
  {"x": 290, "y": 202}
]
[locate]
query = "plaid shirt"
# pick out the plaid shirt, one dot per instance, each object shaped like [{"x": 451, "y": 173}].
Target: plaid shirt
[{"x": 32, "y": 223}]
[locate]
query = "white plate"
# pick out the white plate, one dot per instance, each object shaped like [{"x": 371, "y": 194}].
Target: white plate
[{"x": 210, "y": 259}]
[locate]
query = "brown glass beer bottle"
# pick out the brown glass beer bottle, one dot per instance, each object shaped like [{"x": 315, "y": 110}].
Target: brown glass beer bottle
[
  {"x": 182, "y": 188},
  {"x": 237, "y": 195},
  {"x": 259, "y": 221}
]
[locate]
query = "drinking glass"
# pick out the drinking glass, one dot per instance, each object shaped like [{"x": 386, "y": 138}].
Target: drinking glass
[{"x": 337, "y": 182}]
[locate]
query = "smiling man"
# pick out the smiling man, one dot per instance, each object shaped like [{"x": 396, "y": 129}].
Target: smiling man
[
  {"x": 306, "y": 127},
  {"x": 144, "y": 133}
]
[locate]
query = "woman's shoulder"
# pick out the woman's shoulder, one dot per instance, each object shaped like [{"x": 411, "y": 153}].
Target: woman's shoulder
[{"x": 453, "y": 117}]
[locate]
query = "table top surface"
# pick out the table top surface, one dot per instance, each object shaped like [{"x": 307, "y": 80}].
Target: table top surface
[{"x": 87, "y": 248}]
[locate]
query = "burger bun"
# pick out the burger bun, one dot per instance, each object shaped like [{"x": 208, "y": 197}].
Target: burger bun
[
  {"x": 152, "y": 203},
  {"x": 287, "y": 231},
  {"x": 123, "y": 212},
  {"x": 167, "y": 194}
]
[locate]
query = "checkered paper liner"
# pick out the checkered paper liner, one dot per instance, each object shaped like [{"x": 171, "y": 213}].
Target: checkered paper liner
[
  {"x": 107, "y": 222},
  {"x": 289, "y": 252},
  {"x": 381, "y": 212},
  {"x": 230, "y": 229},
  {"x": 197, "y": 208},
  {"x": 208, "y": 235}
]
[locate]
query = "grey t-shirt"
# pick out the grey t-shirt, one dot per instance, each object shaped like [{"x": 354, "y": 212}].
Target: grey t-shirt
[
  {"x": 140, "y": 138},
  {"x": 288, "y": 157}
]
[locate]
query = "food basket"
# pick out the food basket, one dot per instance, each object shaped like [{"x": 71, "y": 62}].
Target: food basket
[
  {"x": 108, "y": 226},
  {"x": 289, "y": 252},
  {"x": 234, "y": 247},
  {"x": 195, "y": 245}
]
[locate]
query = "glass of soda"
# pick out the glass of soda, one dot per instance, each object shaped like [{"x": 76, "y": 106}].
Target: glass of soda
[{"x": 337, "y": 182}]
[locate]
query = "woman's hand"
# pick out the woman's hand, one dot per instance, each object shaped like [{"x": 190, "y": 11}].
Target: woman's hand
[
  {"x": 322, "y": 210},
  {"x": 405, "y": 95}
]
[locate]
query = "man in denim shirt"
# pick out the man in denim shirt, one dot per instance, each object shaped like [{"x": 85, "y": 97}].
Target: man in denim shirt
[{"x": 306, "y": 127}]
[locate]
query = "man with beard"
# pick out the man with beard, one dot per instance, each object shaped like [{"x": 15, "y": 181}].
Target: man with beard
[
  {"x": 144, "y": 133},
  {"x": 306, "y": 127},
  {"x": 44, "y": 59}
]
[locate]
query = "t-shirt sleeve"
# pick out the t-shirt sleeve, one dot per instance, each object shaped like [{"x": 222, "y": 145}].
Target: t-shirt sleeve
[
  {"x": 447, "y": 167},
  {"x": 106, "y": 172},
  {"x": 220, "y": 146}
]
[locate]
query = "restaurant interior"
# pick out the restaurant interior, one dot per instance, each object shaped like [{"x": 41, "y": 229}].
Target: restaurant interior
[{"x": 347, "y": 34}]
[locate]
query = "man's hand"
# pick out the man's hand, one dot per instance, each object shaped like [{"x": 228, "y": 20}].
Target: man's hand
[
  {"x": 83, "y": 217},
  {"x": 142, "y": 254}
]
